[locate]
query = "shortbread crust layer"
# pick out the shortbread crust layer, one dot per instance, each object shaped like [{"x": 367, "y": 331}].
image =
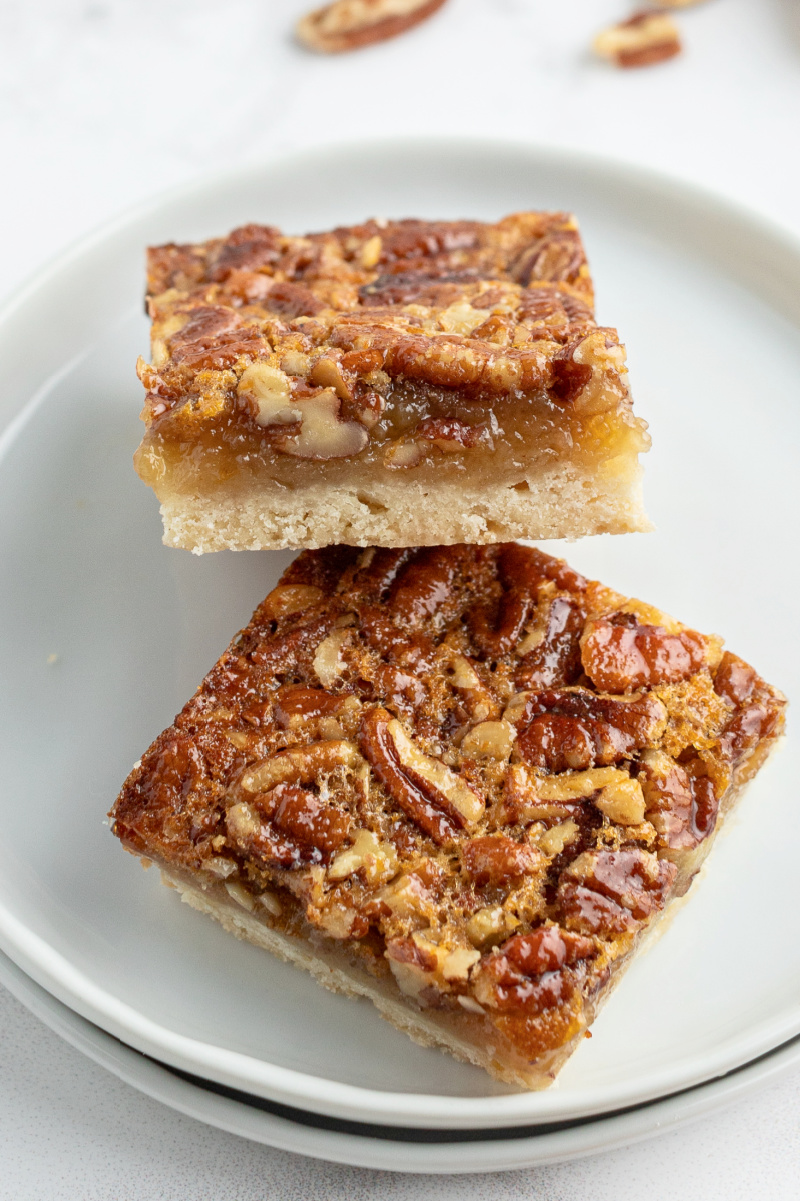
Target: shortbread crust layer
[{"x": 318, "y": 515}]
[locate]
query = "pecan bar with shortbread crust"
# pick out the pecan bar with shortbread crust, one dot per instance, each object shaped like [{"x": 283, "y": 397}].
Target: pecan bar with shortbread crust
[
  {"x": 394, "y": 383},
  {"x": 462, "y": 781}
]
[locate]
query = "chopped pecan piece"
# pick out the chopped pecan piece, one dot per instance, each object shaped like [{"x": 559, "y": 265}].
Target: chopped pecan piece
[
  {"x": 622, "y": 656},
  {"x": 350, "y": 24},
  {"x": 420, "y": 966},
  {"x": 569, "y": 377},
  {"x": 322, "y": 434},
  {"x": 489, "y": 740},
  {"x": 452, "y": 435},
  {"x": 495, "y": 859},
  {"x": 646, "y": 38},
  {"x": 611, "y": 892},
  {"x": 376, "y": 860}
]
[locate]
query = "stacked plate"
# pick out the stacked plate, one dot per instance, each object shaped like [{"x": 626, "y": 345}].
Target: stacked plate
[{"x": 105, "y": 633}]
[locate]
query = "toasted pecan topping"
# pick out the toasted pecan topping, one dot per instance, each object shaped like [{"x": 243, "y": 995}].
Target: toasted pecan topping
[
  {"x": 528, "y": 971},
  {"x": 430, "y": 793},
  {"x": 365, "y": 758},
  {"x": 496, "y": 859},
  {"x": 682, "y": 807},
  {"x": 611, "y": 892},
  {"x": 575, "y": 729},
  {"x": 619, "y": 654},
  {"x": 551, "y": 654},
  {"x": 322, "y": 347}
]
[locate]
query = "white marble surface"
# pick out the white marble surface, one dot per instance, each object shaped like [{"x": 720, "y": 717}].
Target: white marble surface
[{"x": 103, "y": 103}]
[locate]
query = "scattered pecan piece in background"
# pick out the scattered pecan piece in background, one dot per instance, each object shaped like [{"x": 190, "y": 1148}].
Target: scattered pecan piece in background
[
  {"x": 351, "y": 24},
  {"x": 646, "y": 38}
]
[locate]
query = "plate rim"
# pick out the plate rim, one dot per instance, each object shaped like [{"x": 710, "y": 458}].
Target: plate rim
[
  {"x": 237, "y": 1116},
  {"x": 54, "y": 971}
]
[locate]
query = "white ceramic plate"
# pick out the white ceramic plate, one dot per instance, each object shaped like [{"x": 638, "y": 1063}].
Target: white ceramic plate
[
  {"x": 365, "y": 1147},
  {"x": 708, "y": 300}
]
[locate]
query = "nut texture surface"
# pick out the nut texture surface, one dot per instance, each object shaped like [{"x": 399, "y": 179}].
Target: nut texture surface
[
  {"x": 363, "y": 757},
  {"x": 336, "y": 387}
]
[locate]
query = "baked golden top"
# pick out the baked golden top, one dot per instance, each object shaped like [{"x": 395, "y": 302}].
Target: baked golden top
[
  {"x": 315, "y": 347},
  {"x": 468, "y": 763}
]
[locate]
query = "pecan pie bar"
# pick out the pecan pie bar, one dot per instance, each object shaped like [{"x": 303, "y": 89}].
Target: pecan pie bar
[
  {"x": 461, "y": 781},
  {"x": 393, "y": 383}
]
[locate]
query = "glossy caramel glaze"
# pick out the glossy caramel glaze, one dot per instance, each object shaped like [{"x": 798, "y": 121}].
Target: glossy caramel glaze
[{"x": 469, "y": 766}]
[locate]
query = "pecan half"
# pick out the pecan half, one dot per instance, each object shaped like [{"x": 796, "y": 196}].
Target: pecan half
[
  {"x": 556, "y": 656},
  {"x": 245, "y": 249},
  {"x": 398, "y": 646},
  {"x": 558, "y": 256},
  {"x": 620, "y": 655},
  {"x": 215, "y": 337},
  {"x": 646, "y": 38},
  {"x": 528, "y": 972},
  {"x": 286, "y": 827},
  {"x": 304, "y": 817},
  {"x": 425, "y": 584},
  {"x": 432, "y": 795},
  {"x": 751, "y": 723},
  {"x": 520, "y": 569},
  {"x": 378, "y": 570},
  {"x": 300, "y": 765},
  {"x": 351, "y": 24},
  {"x": 611, "y": 892},
  {"x": 397, "y": 688},
  {"x": 496, "y": 859},
  {"x": 574, "y": 729}
]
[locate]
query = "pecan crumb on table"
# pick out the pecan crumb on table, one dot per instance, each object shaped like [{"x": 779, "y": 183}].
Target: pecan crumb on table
[
  {"x": 646, "y": 38},
  {"x": 351, "y": 24}
]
